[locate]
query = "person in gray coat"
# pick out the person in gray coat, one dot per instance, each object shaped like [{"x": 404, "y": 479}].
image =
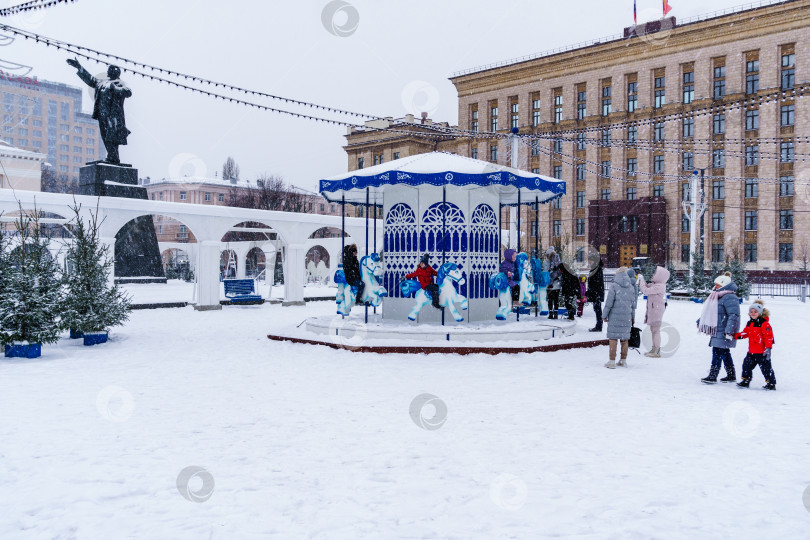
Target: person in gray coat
[
  {"x": 620, "y": 313},
  {"x": 720, "y": 319}
]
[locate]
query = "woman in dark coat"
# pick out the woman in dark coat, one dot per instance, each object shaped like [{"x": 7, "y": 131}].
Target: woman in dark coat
[
  {"x": 596, "y": 293},
  {"x": 720, "y": 319},
  {"x": 570, "y": 290},
  {"x": 351, "y": 268}
]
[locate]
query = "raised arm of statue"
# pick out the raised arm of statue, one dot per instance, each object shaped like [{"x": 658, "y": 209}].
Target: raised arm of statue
[{"x": 83, "y": 73}]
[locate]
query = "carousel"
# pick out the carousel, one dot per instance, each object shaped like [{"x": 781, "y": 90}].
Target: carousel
[{"x": 447, "y": 207}]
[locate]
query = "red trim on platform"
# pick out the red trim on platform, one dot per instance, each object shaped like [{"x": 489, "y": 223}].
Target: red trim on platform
[{"x": 416, "y": 349}]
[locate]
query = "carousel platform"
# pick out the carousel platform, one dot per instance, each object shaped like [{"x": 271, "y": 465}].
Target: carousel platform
[{"x": 530, "y": 334}]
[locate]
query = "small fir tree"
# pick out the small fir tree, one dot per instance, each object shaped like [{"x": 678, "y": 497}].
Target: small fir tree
[
  {"x": 31, "y": 298},
  {"x": 673, "y": 282},
  {"x": 698, "y": 285},
  {"x": 92, "y": 304},
  {"x": 739, "y": 276},
  {"x": 648, "y": 270}
]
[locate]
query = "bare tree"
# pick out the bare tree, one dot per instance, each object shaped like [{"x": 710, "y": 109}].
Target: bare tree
[
  {"x": 230, "y": 169},
  {"x": 294, "y": 200},
  {"x": 804, "y": 257}
]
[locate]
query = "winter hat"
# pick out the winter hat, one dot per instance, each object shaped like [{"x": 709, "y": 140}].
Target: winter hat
[
  {"x": 425, "y": 259},
  {"x": 550, "y": 251},
  {"x": 757, "y": 306},
  {"x": 723, "y": 279}
]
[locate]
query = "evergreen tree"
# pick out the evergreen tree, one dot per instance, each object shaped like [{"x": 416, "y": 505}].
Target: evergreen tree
[
  {"x": 31, "y": 298},
  {"x": 673, "y": 282},
  {"x": 739, "y": 275},
  {"x": 648, "y": 270},
  {"x": 699, "y": 283},
  {"x": 92, "y": 305}
]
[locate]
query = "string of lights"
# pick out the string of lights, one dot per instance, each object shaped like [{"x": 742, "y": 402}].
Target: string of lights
[{"x": 30, "y": 6}]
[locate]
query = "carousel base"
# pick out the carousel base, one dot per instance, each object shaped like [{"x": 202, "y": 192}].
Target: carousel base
[{"x": 379, "y": 336}]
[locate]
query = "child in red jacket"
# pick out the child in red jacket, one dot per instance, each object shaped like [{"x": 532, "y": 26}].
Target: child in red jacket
[
  {"x": 424, "y": 275},
  {"x": 759, "y": 333}
]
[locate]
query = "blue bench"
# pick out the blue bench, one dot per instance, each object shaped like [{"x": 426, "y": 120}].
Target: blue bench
[{"x": 241, "y": 291}]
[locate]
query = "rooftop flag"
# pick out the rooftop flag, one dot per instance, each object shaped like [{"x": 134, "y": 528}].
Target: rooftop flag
[
  {"x": 667, "y": 7},
  {"x": 635, "y": 17}
]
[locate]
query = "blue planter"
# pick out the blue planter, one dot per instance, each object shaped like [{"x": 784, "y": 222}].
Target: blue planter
[
  {"x": 75, "y": 334},
  {"x": 32, "y": 350},
  {"x": 95, "y": 339},
  {"x": 697, "y": 300}
]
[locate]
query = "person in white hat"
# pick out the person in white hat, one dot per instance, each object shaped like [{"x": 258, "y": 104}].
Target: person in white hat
[{"x": 720, "y": 319}]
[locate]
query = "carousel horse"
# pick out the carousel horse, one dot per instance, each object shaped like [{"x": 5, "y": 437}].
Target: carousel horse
[
  {"x": 542, "y": 279},
  {"x": 371, "y": 270},
  {"x": 449, "y": 274},
  {"x": 500, "y": 283},
  {"x": 346, "y": 294},
  {"x": 523, "y": 268}
]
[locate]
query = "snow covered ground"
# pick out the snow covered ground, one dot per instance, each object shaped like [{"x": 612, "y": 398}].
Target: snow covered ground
[
  {"x": 179, "y": 291},
  {"x": 294, "y": 441}
]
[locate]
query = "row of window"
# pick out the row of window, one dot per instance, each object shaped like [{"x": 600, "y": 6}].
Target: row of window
[
  {"x": 749, "y": 253},
  {"x": 751, "y": 221},
  {"x": 378, "y": 160}
]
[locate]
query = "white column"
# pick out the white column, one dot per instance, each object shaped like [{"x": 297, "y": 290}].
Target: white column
[
  {"x": 269, "y": 265},
  {"x": 208, "y": 254},
  {"x": 241, "y": 262},
  {"x": 110, "y": 243},
  {"x": 293, "y": 261}
]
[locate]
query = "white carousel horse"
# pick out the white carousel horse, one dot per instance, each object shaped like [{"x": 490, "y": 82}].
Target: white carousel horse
[
  {"x": 500, "y": 283},
  {"x": 523, "y": 268},
  {"x": 542, "y": 279},
  {"x": 346, "y": 294},
  {"x": 449, "y": 274},
  {"x": 370, "y": 270}
]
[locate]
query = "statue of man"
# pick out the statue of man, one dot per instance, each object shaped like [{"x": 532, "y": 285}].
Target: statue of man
[{"x": 109, "y": 107}]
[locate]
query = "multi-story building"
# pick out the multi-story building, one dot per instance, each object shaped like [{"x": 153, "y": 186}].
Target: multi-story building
[
  {"x": 21, "y": 168},
  {"x": 46, "y": 117},
  {"x": 624, "y": 122}
]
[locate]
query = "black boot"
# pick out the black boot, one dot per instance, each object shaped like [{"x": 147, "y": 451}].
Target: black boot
[
  {"x": 769, "y": 386},
  {"x": 729, "y": 378},
  {"x": 595, "y": 329},
  {"x": 711, "y": 379},
  {"x": 744, "y": 383}
]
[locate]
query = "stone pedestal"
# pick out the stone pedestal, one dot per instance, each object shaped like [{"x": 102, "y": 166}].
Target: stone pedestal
[{"x": 137, "y": 255}]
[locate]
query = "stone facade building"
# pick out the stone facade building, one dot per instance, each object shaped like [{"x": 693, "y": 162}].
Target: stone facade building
[{"x": 625, "y": 121}]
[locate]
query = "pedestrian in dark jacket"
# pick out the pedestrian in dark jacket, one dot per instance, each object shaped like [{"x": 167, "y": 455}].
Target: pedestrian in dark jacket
[
  {"x": 596, "y": 292},
  {"x": 424, "y": 275},
  {"x": 570, "y": 290},
  {"x": 508, "y": 268},
  {"x": 552, "y": 264},
  {"x": 351, "y": 268},
  {"x": 720, "y": 319},
  {"x": 759, "y": 334}
]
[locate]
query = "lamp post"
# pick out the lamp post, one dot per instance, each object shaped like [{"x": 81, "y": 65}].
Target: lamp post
[{"x": 693, "y": 211}]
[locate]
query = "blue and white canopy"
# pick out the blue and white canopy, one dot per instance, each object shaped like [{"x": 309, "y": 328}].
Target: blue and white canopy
[{"x": 441, "y": 169}]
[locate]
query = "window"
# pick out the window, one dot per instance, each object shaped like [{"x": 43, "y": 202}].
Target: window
[
  {"x": 605, "y": 194},
  {"x": 558, "y": 172},
  {"x": 64, "y": 138},
  {"x": 396, "y": 155},
  {"x": 580, "y": 227},
  {"x": 77, "y": 149},
  {"x": 556, "y": 203},
  {"x": 786, "y": 186},
  {"x": 718, "y": 190},
  {"x": 786, "y": 151},
  {"x": 658, "y": 131},
  {"x": 36, "y": 123},
  {"x": 580, "y": 171},
  {"x": 64, "y": 112},
  {"x": 580, "y": 199},
  {"x": 751, "y": 155},
  {"x": 515, "y": 120},
  {"x": 688, "y": 127},
  {"x": 605, "y": 137},
  {"x": 534, "y": 229},
  {"x": 474, "y": 121},
  {"x": 161, "y": 195},
  {"x": 631, "y": 194},
  {"x": 632, "y": 134},
  {"x": 688, "y": 87},
  {"x": 750, "y": 253},
  {"x": 361, "y": 162},
  {"x": 323, "y": 207},
  {"x": 718, "y": 159},
  {"x": 22, "y": 132},
  {"x": 752, "y": 120},
  {"x": 658, "y": 164},
  {"x": 718, "y": 253},
  {"x": 581, "y": 141},
  {"x": 658, "y": 190},
  {"x": 76, "y": 159},
  {"x": 535, "y": 146},
  {"x": 207, "y": 197},
  {"x": 474, "y": 153},
  {"x": 751, "y": 188},
  {"x": 788, "y": 71},
  {"x": 493, "y": 118},
  {"x": 786, "y": 253},
  {"x": 719, "y": 82},
  {"x": 558, "y": 146},
  {"x": 660, "y": 92},
  {"x": 221, "y": 197},
  {"x": 719, "y": 124},
  {"x": 581, "y": 105},
  {"x": 788, "y": 115},
  {"x": 685, "y": 254},
  {"x": 688, "y": 161},
  {"x": 632, "y": 96},
  {"x": 535, "y": 170},
  {"x": 632, "y": 166},
  {"x": 37, "y": 144},
  {"x": 556, "y": 227},
  {"x": 605, "y": 169},
  {"x": 558, "y": 105},
  {"x": 182, "y": 195},
  {"x": 64, "y": 128},
  {"x": 64, "y": 148},
  {"x": 686, "y": 192},
  {"x": 22, "y": 142},
  {"x": 91, "y": 152},
  {"x": 64, "y": 168},
  {"x": 182, "y": 229},
  {"x": 718, "y": 221},
  {"x": 536, "y": 112},
  {"x": 752, "y": 77},
  {"x": 607, "y": 108},
  {"x": 751, "y": 220},
  {"x": 493, "y": 152},
  {"x": 786, "y": 220}
]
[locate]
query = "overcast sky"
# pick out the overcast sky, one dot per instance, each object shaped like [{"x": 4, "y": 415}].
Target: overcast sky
[{"x": 395, "y": 60}]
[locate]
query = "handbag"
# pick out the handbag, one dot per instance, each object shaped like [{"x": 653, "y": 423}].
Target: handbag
[{"x": 635, "y": 338}]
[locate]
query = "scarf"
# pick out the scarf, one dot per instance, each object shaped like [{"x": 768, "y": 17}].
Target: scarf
[{"x": 708, "y": 318}]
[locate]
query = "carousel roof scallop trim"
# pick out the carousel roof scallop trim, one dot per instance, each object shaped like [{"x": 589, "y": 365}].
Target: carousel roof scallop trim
[{"x": 441, "y": 169}]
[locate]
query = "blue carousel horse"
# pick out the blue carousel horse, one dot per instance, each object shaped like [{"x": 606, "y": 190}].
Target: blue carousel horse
[
  {"x": 500, "y": 283},
  {"x": 370, "y": 271},
  {"x": 523, "y": 268},
  {"x": 542, "y": 279},
  {"x": 449, "y": 274},
  {"x": 346, "y": 294}
]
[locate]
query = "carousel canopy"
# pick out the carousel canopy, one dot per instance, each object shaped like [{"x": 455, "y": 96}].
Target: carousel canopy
[{"x": 441, "y": 169}]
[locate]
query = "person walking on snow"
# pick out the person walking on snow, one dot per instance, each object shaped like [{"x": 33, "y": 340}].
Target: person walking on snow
[
  {"x": 424, "y": 274},
  {"x": 720, "y": 319},
  {"x": 551, "y": 265},
  {"x": 596, "y": 290},
  {"x": 656, "y": 293},
  {"x": 759, "y": 334},
  {"x": 620, "y": 314}
]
